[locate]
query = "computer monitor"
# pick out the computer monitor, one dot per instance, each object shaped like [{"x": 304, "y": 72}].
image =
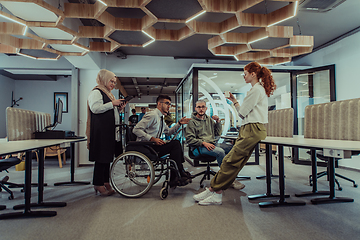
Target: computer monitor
[{"x": 57, "y": 114}]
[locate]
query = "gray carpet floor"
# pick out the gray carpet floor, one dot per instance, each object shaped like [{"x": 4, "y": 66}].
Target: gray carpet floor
[{"x": 88, "y": 216}]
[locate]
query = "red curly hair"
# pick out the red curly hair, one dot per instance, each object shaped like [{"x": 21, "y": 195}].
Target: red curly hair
[{"x": 264, "y": 74}]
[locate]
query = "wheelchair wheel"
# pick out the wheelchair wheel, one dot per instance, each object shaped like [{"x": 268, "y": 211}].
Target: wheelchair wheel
[
  {"x": 159, "y": 168},
  {"x": 132, "y": 174},
  {"x": 164, "y": 193}
]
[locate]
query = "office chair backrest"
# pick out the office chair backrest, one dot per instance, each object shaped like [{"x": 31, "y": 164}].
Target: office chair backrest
[
  {"x": 8, "y": 162},
  {"x": 339, "y": 120}
]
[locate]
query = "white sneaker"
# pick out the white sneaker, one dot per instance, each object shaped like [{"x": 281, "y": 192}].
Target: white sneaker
[
  {"x": 237, "y": 185},
  {"x": 201, "y": 196},
  {"x": 213, "y": 199}
]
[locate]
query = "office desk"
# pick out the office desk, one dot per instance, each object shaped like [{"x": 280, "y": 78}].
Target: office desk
[
  {"x": 338, "y": 148},
  {"x": 27, "y": 146}
]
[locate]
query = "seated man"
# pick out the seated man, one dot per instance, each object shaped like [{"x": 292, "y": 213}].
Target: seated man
[
  {"x": 133, "y": 119},
  {"x": 152, "y": 126},
  {"x": 143, "y": 111},
  {"x": 200, "y": 135}
]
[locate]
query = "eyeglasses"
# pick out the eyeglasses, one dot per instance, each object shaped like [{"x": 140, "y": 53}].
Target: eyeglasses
[
  {"x": 167, "y": 103},
  {"x": 201, "y": 107}
]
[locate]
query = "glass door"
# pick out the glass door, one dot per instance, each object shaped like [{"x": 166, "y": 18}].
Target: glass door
[{"x": 311, "y": 86}]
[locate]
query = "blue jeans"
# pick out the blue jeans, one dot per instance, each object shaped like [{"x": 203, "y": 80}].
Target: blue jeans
[{"x": 219, "y": 151}]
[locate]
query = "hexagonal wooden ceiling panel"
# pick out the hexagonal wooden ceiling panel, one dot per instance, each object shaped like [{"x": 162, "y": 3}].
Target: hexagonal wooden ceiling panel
[{"x": 242, "y": 29}]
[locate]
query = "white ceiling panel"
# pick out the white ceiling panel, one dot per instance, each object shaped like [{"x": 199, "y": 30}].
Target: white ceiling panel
[
  {"x": 67, "y": 48},
  {"x": 52, "y": 33},
  {"x": 30, "y": 11}
]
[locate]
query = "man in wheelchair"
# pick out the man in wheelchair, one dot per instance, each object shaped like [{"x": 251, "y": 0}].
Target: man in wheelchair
[{"x": 152, "y": 126}]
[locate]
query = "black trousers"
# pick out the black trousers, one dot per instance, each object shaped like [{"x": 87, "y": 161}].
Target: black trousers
[
  {"x": 175, "y": 150},
  {"x": 101, "y": 173}
]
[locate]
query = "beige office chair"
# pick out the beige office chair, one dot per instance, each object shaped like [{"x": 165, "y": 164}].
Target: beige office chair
[{"x": 56, "y": 151}]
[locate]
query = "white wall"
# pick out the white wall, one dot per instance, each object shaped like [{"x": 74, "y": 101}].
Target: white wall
[
  {"x": 39, "y": 96},
  {"x": 7, "y": 87},
  {"x": 345, "y": 55}
]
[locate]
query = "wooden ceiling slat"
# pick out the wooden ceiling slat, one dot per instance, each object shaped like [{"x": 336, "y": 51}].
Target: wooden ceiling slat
[
  {"x": 79, "y": 10},
  {"x": 11, "y": 28},
  {"x": 127, "y": 24},
  {"x": 91, "y": 32},
  {"x": 222, "y": 30},
  {"x": 280, "y": 14},
  {"x": 100, "y": 46},
  {"x": 107, "y": 19},
  {"x": 7, "y": 49},
  {"x": 252, "y": 20}
]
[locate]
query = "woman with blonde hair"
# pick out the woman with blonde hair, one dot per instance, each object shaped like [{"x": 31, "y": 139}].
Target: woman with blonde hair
[
  {"x": 103, "y": 115},
  {"x": 254, "y": 113}
]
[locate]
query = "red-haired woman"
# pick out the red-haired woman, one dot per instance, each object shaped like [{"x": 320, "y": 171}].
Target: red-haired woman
[{"x": 254, "y": 113}]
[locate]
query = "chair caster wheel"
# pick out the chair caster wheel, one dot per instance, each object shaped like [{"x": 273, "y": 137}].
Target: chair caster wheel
[
  {"x": 340, "y": 188},
  {"x": 201, "y": 186},
  {"x": 11, "y": 197},
  {"x": 355, "y": 185},
  {"x": 163, "y": 193}
]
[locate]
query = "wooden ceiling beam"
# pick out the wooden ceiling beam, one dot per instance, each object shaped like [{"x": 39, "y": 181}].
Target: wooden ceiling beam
[
  {"x": 91, "y": 32},
  {"x": 99, "y": 9},
  {"x": 7, "y": 49},
  {"x": 216, "y": 41},
  {"x": 281, "y": 14},
  {"x": 107, "y": 19},
  {"x": 302, "y": 41},
  {"x": 20, "y": 43},
  {"x": 61, "y": 42},
  {"x": 223, "y": 51},
  {"x": 184, "y": 32},
  {"x": 100, "y": 46},
  {"x": 291, "y": 52},
  {"x": 252, "y": 19},
  {"x": 127, "y": 24},
  {"x": 274, "y": 60},
  {"x": 251, "y": 56},
  {"x": 11, "y": 28},
  {"x": 204, "y": 27},
  {"x": 166, "y": 35},
  {"x": 229, "y": 24},
  {"x": 148, "y": 20},
  {"x": 243, "y": 5},
  {"x": 79, "y": 10},
  {"x": 227, "y": 6},
  {"x": 240, "y": 38},
  {"x": 124, "y": 3},
  {"x": 280, "y": 31}
]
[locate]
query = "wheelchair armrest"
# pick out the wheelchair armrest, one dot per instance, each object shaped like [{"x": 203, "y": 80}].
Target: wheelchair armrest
[{"x": 140, "y": 143}]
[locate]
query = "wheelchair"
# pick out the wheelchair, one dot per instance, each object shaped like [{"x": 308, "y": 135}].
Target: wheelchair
[{"x": 134, "y": 172}]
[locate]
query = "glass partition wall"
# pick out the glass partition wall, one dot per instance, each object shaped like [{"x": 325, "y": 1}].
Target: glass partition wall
[
  {"x": 209, "y": 84},
  {"x": 295, "y": 89},
  {"x": 311, "y": 86}
]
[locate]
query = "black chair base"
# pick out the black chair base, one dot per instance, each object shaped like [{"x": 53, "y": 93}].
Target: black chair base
[
  {"x": 206, "y": 174},
  {"x": 243, "y": 177},
  {"x": 325, "y": 173},
  {"x": 2, "y": 207}
]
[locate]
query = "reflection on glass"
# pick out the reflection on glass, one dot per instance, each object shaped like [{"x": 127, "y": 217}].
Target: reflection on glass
[
  {"x": 187, "y": 97},
  {"x": 312, "y": 88}
]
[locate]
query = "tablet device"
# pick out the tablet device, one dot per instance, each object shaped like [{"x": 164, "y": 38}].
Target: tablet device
[{"x": 128, "y": 98}]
